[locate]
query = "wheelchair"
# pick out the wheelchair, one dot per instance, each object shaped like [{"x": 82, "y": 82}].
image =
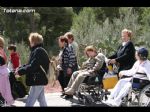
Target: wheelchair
[
  {"x": 91, "y": 91},
  {"x": 139, "y": 94}
]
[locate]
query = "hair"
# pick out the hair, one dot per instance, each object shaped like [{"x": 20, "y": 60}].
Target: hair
[
  {"x": 90, "y": 48},
  {"x": 143, "y": 56},
  {"x": 12, "y": 47},
  {"x": 129, "y": 32},
  {"x": 63, "y": 39},
  {"x": 2, "y": 42},
  {"x": 36, "y": 38},
  {"x": 69, "y": 35}
]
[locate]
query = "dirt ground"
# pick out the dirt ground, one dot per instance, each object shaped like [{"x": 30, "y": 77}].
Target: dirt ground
[{"x": 53, "y": 89}]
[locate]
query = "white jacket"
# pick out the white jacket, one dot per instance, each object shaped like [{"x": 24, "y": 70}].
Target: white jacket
[{"x": 143, "y": 67}]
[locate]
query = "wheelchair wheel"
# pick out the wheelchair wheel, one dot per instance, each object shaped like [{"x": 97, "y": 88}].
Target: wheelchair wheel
[
  {"x": 144, "y": 98},
  {"x": 88, "y": 94},
  {"x": 131, "y": 99}
]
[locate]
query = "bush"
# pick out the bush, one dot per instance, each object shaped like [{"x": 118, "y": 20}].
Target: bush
[{"x": 107, "y": 35}]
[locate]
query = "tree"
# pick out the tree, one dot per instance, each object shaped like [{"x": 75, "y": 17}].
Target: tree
[
  {"x": 106, "y": 35},
  {"x": 51, "y": 22}
]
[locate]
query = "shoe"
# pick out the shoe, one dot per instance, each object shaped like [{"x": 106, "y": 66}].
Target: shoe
[
  {"x": 63, "y": 94},
  {"x": 115, "y": 103},
  {"x": 69, "y": 97},
  {"x": 65, "y": 89},
  {"x": 108, "y": 102},
  {"x": 70, "y": 91}
]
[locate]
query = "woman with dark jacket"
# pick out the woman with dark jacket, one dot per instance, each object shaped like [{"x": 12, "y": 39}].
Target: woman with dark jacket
[
  {"x": 35, "y": 77},
  {"x": 125, "y": 55},
  {"x": 67, "y": 62}
]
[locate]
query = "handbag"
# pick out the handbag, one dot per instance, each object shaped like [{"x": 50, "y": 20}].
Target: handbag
[
  {"x": 17, "y": 88},
  {"x": 36, "y": 79},
  {"x": 109, "y": 80}
]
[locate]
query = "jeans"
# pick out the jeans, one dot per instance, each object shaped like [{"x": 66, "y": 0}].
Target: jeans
[{"x": 36, "y": 93}]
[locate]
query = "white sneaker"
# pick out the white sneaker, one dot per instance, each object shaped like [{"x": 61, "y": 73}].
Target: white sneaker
[
  {"x": 115, "y": 103},
  {"x": 108, "y": 102}
]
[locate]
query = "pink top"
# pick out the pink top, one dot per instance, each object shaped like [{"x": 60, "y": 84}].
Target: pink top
[{"x": 5, "y": 88}]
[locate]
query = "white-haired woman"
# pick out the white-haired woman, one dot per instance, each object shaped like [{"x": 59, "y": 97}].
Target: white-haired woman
[
  {"x": 125, "y": 55},
  {"x": 35, "y": 76}
]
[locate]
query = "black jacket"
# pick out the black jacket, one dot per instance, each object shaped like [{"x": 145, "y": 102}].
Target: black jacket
[
  {"x": 34, "y": 74},
  {"x": 125, "y": 56}
]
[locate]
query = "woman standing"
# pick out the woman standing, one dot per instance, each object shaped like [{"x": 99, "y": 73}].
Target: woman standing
[
  {"x": 5, "y": 89},
  {"x": 35, "y": 77},
  {"x": 67, "y": 62},
  {"x": 125, "y": 55}
]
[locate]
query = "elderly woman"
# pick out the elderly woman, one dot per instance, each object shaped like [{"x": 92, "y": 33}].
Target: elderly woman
[
  {"x": 72, "y": 43},
  {"x": 35, "y": 77},
  {"x": 90, "y": 68},
  {"x": 5, "y": 89},
  {"x": 67, "y": 62},
  {"x": 125, "y": 55}
]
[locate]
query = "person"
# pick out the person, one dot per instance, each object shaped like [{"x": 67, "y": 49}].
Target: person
[
  {"x": 124, "y": 57},
  {"x": 35, "y": 77},
  {"x": 5, "y": 89},
  {"x": 139, "y": 70},
  {"x": 67, "y": 62},
  {"x": 14, "y": 59},
  {"x": 89, "y": 68},
  {"x": 73, "y": 43}
]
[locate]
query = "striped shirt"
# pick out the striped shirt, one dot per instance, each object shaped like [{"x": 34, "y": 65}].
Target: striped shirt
[{"x": 68, "y": 58}]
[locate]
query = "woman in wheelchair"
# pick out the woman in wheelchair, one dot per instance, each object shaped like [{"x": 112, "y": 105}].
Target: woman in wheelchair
[
  {"x": 90, "y": 68},
  {"x": 140, "y": 70}
]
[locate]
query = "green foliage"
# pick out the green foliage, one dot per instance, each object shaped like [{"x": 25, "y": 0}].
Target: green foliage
[
  {"x": 108, "y": 34},
  {"x": 98, "y": 26},
  {"x": 51, "y": 22}
]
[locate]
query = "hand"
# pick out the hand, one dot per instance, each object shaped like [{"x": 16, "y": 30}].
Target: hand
[
  {"x": 69, "y": 71},
  {"x": 107, "y": 61},
  {"x": 112, "y": 61},
  {"x": 59, "y": 68},
  {"x": 90, "y": 71},
  {"x": 17, "y": 74},
  {"x": 120, "y": 74},
  {"x": 17, "y": 69}
]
